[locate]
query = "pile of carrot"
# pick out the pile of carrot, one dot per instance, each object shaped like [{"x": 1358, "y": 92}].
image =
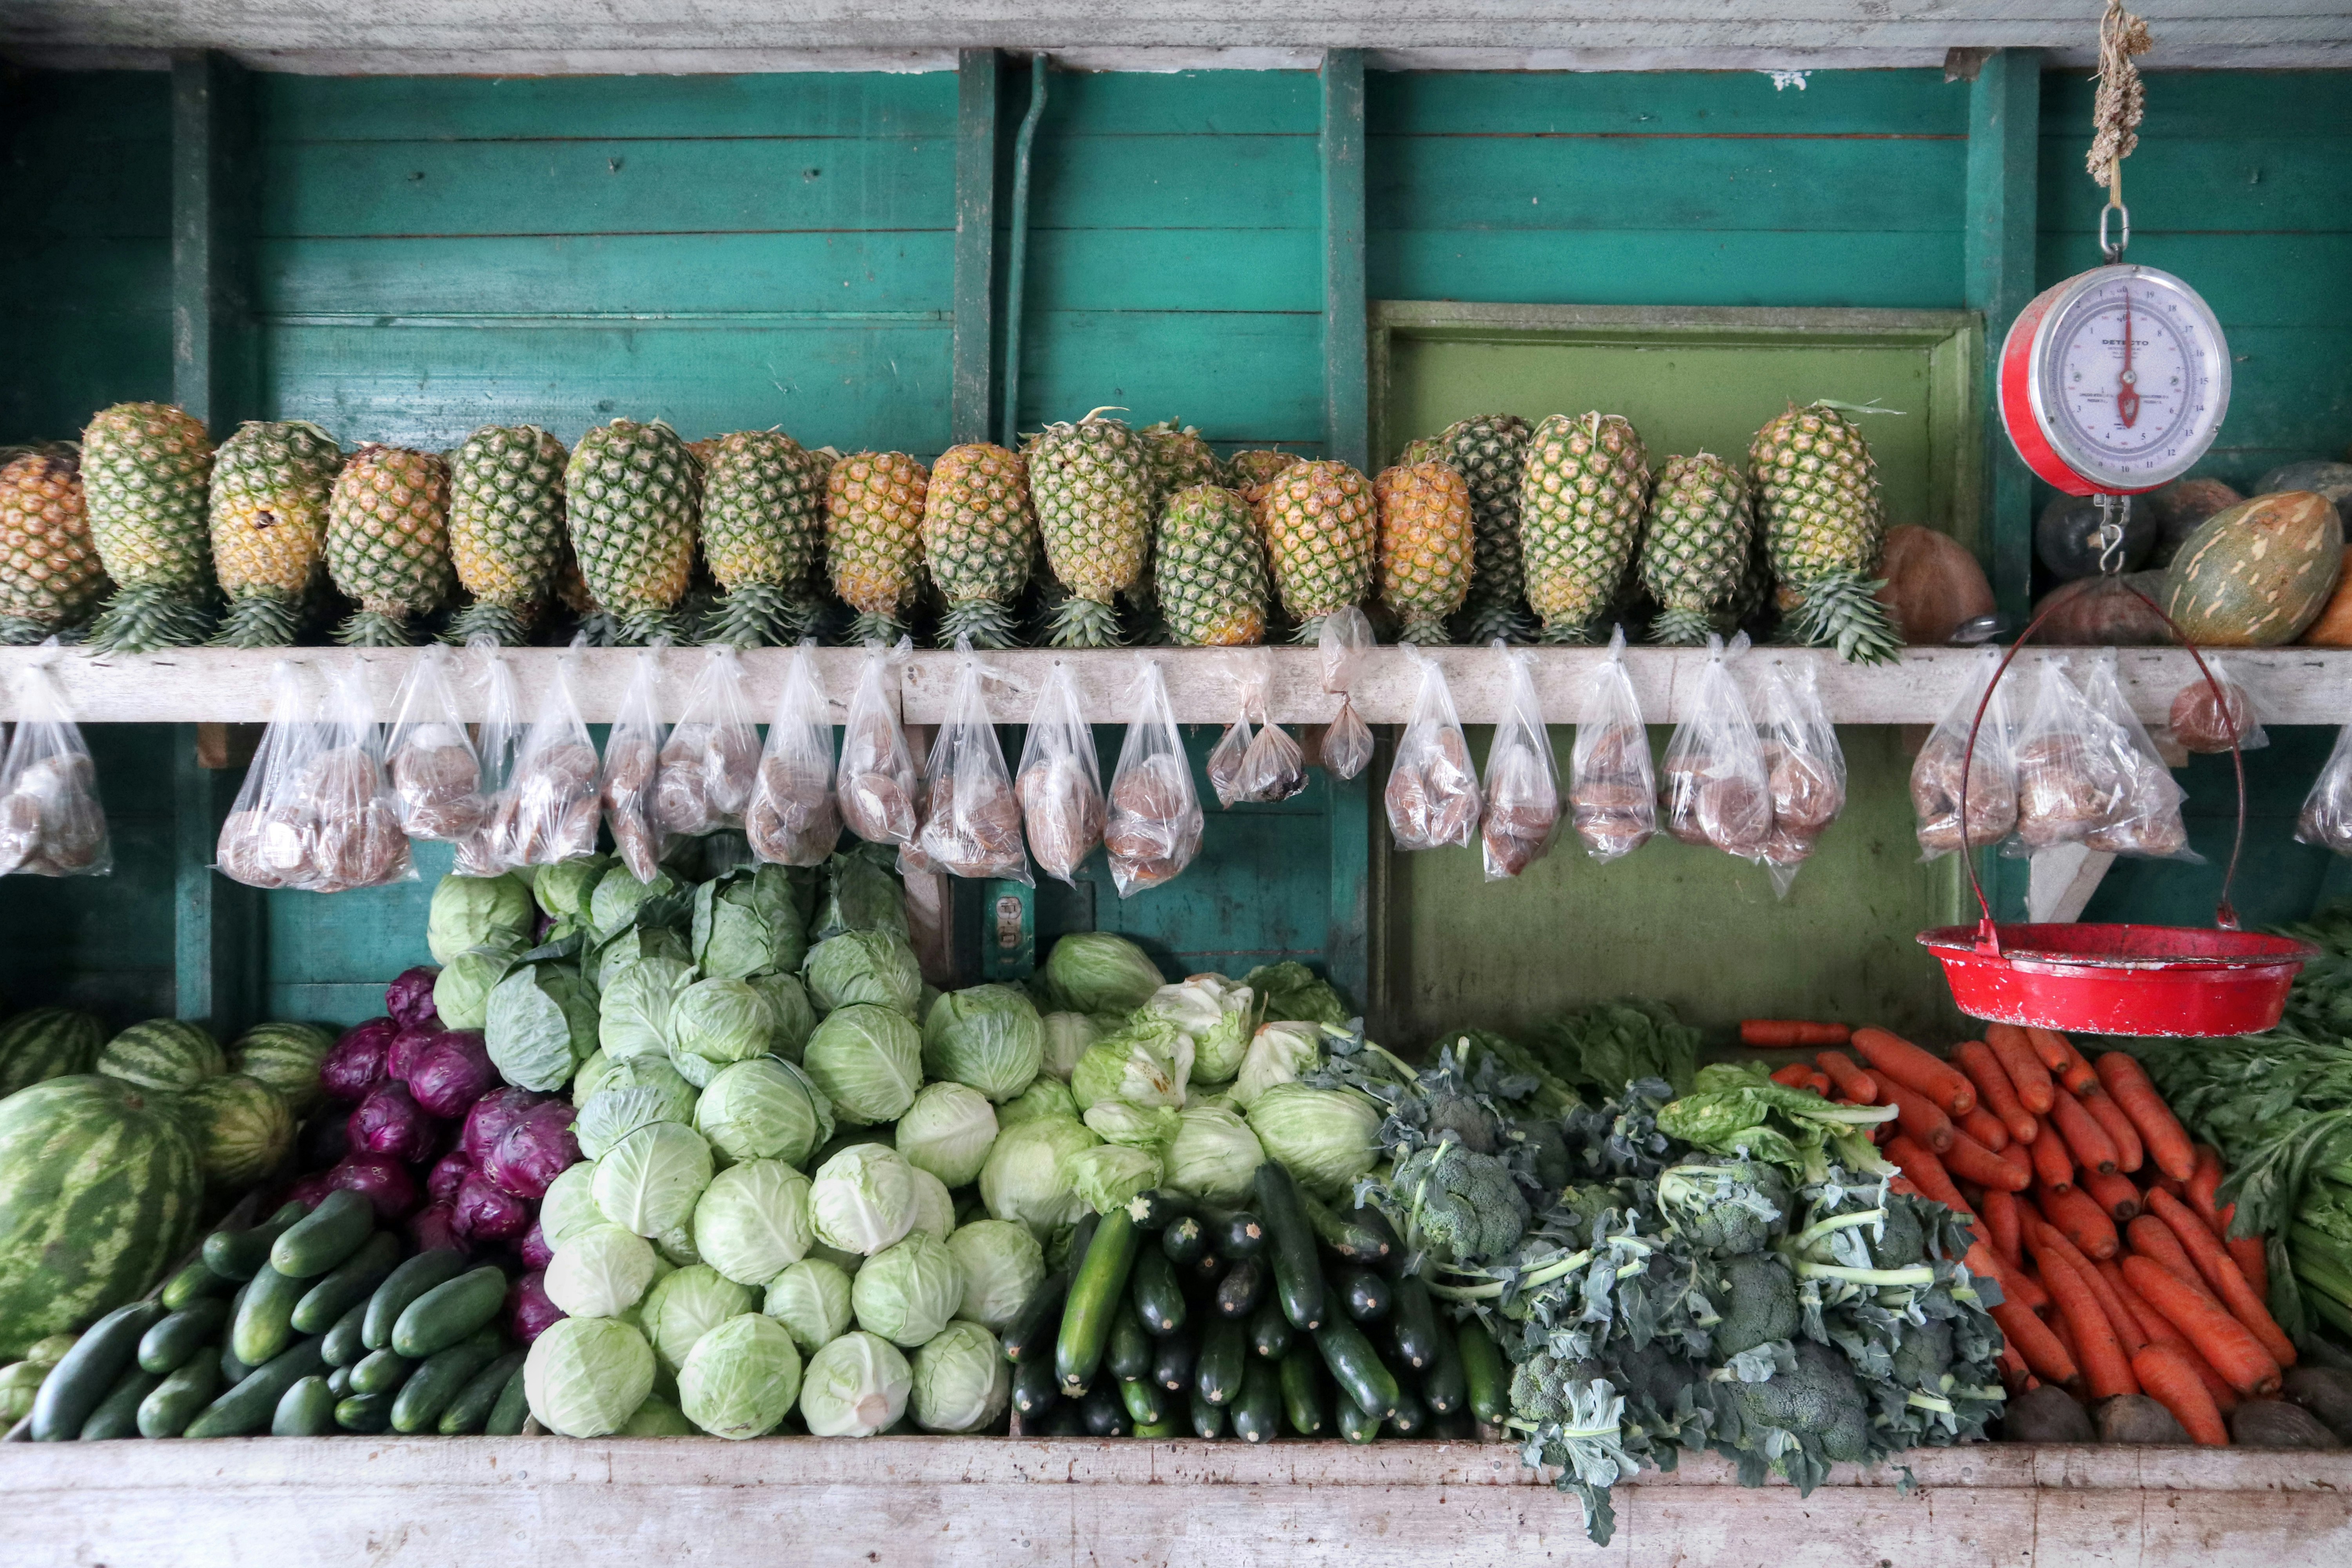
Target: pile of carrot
[{"x": 2093, "y": 1209}]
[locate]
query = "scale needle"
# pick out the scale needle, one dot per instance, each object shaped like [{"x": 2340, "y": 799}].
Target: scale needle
[{"x": 2126, "y": 393}]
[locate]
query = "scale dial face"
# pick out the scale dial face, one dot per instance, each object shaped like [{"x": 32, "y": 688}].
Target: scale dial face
[{"x": 2116, "y": 379}]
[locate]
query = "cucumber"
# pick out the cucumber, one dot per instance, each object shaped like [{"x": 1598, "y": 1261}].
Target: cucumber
[
  {"x": 400, "y": 1286},
  {"x": 383, "y": 1371},
  {"x": 1065, "y": 1420},
  {"x": 1240, "y": 1234},
  {"x": 1224, "y": 1353},
  {"x": 1442, "y": 1388},
  {"x": 239, "y": 1254},
  {"x": 1030, "y": 1336},
  {"x": 1364, "y": 1294},
  {"x": 1145, "y": 1401},
  {"x": 1171, "y": 1361},
  {"x": 1269, "y": 1331},
  {"x": 1484, "y": 1374},
  {"x": 1453, "y": 1427},
  {"x": 366, "y": 1413},
  {"x": 169, "y": 1344},
  {"x": 117, "y": 1414},
  {"x": 441, "y": 1379},
  {"x": 1208, "y": 1420},
  {"x": 233, "y": 1371},
  {"x": 1159, "y": 1299},
  {"x": 248, "y": 1407},
  {"x": 1354, "y": 1424},
  {"x": 1155, "y": 1429},
  {"x": 343, "y": 1347},
  {"x": 1242, "y": 1288},
  {"x": 305, "y": 1410},
  {"x": 1202, "y": 1272},
  {"x": 180, "y": 1397},
  {"x": 1302, "y": 1394},
  {"x": 1185, "y": 1241},
  {"x": 450, "y": 1313},
  {"x": 1411, "y": 1417},
  {"x": 325, "y": 1236},
  {"x": 1257, "y": 1413},
  {"x": 1412, "y": 1323},
  {"x": 1357, "y": 1367},
  {"x": 338, "y": 1382},
  {"x": 87, "y": 1373},
  {"x": 348, "y": 1284},
  {"x": 1104, "y": 1410},
  {"x": 467, "y": 1412},
  {"x": 264, "y": 1324},
  {"x": 1290, "y": 1246},
  {"x": 1160, "y": 1208},
  {"x": 511, "y": 1411},
  {"x": 1095, "y": 1291},
  {"x": 191, "y": 1284},
  {"x": 1128, "y": 1356},
  {"x": 1036, "y": 1388},
  {"x": 1344, "y": 1233}
]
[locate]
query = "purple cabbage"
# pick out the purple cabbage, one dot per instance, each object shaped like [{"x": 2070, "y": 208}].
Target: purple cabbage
[
  {"x": 311, "y": 1190},
  {"x": 433, "y": 1228},
  {"x": 406, "y": 1047},
  {"x": 534, "y": 1249},
  {"x": 357, "y": 1063},
  {"x": 528, "y": 1310},
  {"x": 534, "y": 1151},
  {"x": 409, "y": 999},
  {"x": 486, "y": 1214},
  {"x": 381, "y": 1180},
  {"x": 453, "y": 1072},
  {"x": 442, "y": 1185},
  {"x": 389, "y": 1122},
  {"x": 491, "y": 1116}
]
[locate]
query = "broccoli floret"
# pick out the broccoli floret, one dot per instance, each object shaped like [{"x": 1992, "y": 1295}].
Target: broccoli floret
[
  {"x": 1467, "y": 1119},
  {"x": 1539, "y": 1384},
  {"x": 1731, "y": 1207},
  {"x": 1925, "y": 1354},
  {"x": 1546, "y": 1151},
  {"x": 1755, "y": 1295},
  {"x": 1905, "y": 1240},
  {"x": 1459, "y": 1204},
  {"x": 1818, "y": 1399}
]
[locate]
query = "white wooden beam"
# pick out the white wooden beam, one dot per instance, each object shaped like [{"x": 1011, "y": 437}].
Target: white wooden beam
[{"x": 2061, "y": 881}]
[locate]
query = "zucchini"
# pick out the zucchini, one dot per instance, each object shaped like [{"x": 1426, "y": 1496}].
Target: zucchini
[
  {"x": 1257, "y": 1413},
  {"x": 248, "y": 1407},
  {"x": 1185, "y": 1241},
  {"x": 348, "y": 1284},
  {"x": 169, "y": 1344},
  {"x": 1036, "y": 1388},
  {"x": 1065, "y": 1420},
  {"x": 471, "y": 1408},
  {"x": 1484, "y": 1374},
  {"x": 1363, "y": 1294},
  {"x": 1411, "y": 1417},
  {"x": 305, "y": 1410},
  {"x": 441, "y": 1379},
  {"x": 175, "y": 1400},
  {"x": 1156, "y": 1429},
  {"x": 383, "y": 1371},
  {"x": 1357, "y": 1367},
  {"x": 117, "y": 1414},
  {"x": 1442, "y": 1388},
  {"x": 87, "y": 1373},
  {"x": 239, "y": 1254},
  {"x": 264, "y": 1324},
  {"x": 1160, "y": 1208},
  {"x": 1242, "y": 1288},
  {"x": 1238, "y": 1234},
  {"x": 1208, "y": 1420},
  {"x": 1290, "y": 1246},
  {"x": 511, "y": 1411},
  {"x": 1103, "y": 1411},
  {"x": 1203, "y": 1271},
  {"x": 343, "y": 1347},
  {"x": 1302, "y": 1394},
  {"x": 450, "y": 1313},
  {"x": 1145, "y": 1401},
  {"x": 1171, "y": 1361},
  {"x": 325, "y": 1236},
  {"x": 1412, "y": 1322},
  {"x": 194, "y": 1282},
  {"x": 400, "y": 1286},
  {"x": 1128, "y": 1357},
  {"x": 1354, "y": 1424},
  {"x": 338, "y": 1382},
  {"x": 233, "y": 1371},
  {"x": 1095, "y": 1291},
  {"x": 1453, "y": 1427},
  {"x": 1030, "y": 1336},
  {"x": 1224, "y": 1352},
  {"x": 1159, "y": 1299},
  {"x": 363, "y": 1413},
  {"x": 1344, "y": 1234},
  {"x": 1269, "y": 1331}
]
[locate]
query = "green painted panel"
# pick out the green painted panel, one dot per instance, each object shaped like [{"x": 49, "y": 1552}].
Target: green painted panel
[
  {"x": 1664, "y": 267},
  {"x": 473, "y": 109},
  {"x": 2280, "y": 280},
  {"x": 330, "y": 955},
  {"x": 81, "y": 357},
  {"x": 2218, "y": 105},
  {"x": 1174, "y": 181},
  {"x": 1850, "y": 104},
  {"x": 1217, "y": 103},
  {"x": 1176, "y": 269},
  {"x": 87, "y": 154},
  {"x": 2243, "y": 183},
  {"x": 1241, "y": 378}
]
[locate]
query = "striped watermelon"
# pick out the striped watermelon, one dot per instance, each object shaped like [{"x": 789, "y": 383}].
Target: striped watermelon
[
  {"x": 99, "y": 1191},
  {"x": 163, "y": 1053},
  {"x": 48, "y": 1042},
  {"x": 285, "y": 1056},
  {"x": 241, "y": 1126}
]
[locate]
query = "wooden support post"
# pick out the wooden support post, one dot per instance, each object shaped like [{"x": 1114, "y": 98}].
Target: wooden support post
[
  {"x": 974, "y": 384},
  {"x": 1348, "y": 948},
  {"x": 2004, "y": 142},
  {"x": 1346, "y": 433},
  {"x": 217, "y": 924},
  {"x": 213, "y": 371}
]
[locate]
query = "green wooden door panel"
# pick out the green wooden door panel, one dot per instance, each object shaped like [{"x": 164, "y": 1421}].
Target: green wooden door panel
[
  {"x": 1181, "y": 103},
  {"x": 330, "y": 955},
  {"x": 471, "y": 108},
  {"x": 1243, "y": 378},
  {"x": 1191, "y": 269},
  {"x": 1855, "y": 105},
  {"x": 1664, "y": 267}
]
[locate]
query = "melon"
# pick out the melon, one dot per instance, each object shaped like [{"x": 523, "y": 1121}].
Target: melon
[
  {"x": 2257, "y": 573},
  {"x": 163, "y": 1053},
  {"x": 242, "y": 1128},
  {"x": 2334, "y": 626},
  {"x": 2096, "y": 612},
  {"x": 285, "y": 1056},
  {"x": 99, "y": 1191},
  {"x": 48, "y": 1042}
]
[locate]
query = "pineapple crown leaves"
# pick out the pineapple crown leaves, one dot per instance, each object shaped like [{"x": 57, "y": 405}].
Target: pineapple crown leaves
[{"x": 1836, "y": 406}]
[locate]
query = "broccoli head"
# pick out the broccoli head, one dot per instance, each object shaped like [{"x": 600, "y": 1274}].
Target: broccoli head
[
  {"x": 1755, "y": 1296},
  {"x": 1819, "y": 1399},
  {"x": 1725, "y": 1206},
  {"x": 1459, "y": 1204},
  {"x": 1547, "y": 1156},
  {"x": 1540, "y": 1384},
  {"x": 1925, "y": 1355},
  {"x": 1468, "y": 1120},
  {"x": 1904, "y": 1242}
]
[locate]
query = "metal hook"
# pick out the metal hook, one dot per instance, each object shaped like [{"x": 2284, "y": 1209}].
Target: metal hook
[
  {"x": 2114, "y": 250},
  {"x": 2113, "y": 507}
]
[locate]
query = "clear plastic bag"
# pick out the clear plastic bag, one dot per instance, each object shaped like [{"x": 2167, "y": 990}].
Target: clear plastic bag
[
  {"x": 1260, "y": 765},
  {"x": 2144, "y": 820},
  {"x": 51, "y": 824},
  {"x": 632, "y": 764},
  {"x": 1061, "y": 783},
  {"x": 1991, "y": 770},
  {"x": 1716, "y": 793},
  {"x": 794, "y": 820},
  {"x": 2068, "y": 776},
  {"x": 1804, "y": 767},
  {"x": 2199, "y": 721},
  {"x": 1155, "y": 820},
  {"x": 266, "y": 840},
  {"x": 971, "y": 820},
  {"x": 553, "y": 795},
  {"x": 877, "y": 781},
  {"x": 1612, "y": 790},
  {"x": 710, "y": 763},
  {"x": 355, "y": 835},
  {"x": 1432, "y": 791},
  {"x": 492, "y": 847},
  {"x": 1522, "y": 778},
  {"x": 2325, "y": 819},
  {"x": 1346, "y": 748},
  {"x": 437, "y": 776}
]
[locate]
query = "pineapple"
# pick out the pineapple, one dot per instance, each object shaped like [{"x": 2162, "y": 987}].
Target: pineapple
[
  {"x": 1212, "y": 576},
  {"x": 50, "y": 575},
  {"x": 874, "y": 528},
  {"x": 1696, "y": 546},
  {"x": 1320, "y": 530},
  {"x": 1816, "y": 492},
  {"x": 144, "y": 467},
  {"x": 979, "y": 537},
  {"x": 1179, "y": 459},
  {"x": 1252, "y": 472},
  {"x": 506, "y": 529},
  {"x": 1426, "y": 545},
  {"x": 633, "y": 497},
  {"x": 1426, "y": 449},
  {"x": 763, "y": 532},
  {"x": 1491, "y": 450},
  {"x": 1095, "y": 491},
  {"x": 270, "y": 487},
  {"x": 1580, "y": 503},
  {"x": 388, "y": 542}
]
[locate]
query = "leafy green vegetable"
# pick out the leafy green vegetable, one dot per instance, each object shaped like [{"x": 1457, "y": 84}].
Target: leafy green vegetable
[
  {"x": 1098, "y": 972},
  {"x": 742, "y": 1378},
  {"x": 648, "y": 1182},
  {"x": 948, "y": 1130},
  {"x": 477, "y": 912},
  {"x": 1002, "y": 1265},
  {"x": 1290, "y": 992},
  {"x": 632, "y": 1014},
  {"x": 858, "y": 966},
  {"x": 764, "y": 1108},
  {"x": 1147, "y": 1063},
  {"x": 1068, "y": 1037},
  {"x": 461, "y": 992},
  {"x": 562, "y": 890},
  {"x": 856, "y": 1386},
  {"x": 988, "y": 1037},
  {"x": 586, "y": 1376},
  {"x": 1611, "y": 1045},
  {"x": 859, "y": 895},
  {"x": 867, "y": 1059},
  {"x": 1023, "y": 1178},
  {"x": 1214, "y": 1155},
  {"x": 621, "y": 901},
  {"x": 789, "y": 1011},
  {"x": 752, "y": 1222},
  {"x": 909, "y": 1291},
  {"x": 542, "y": 1022},
  {"x": 744, "y": 922},
  {"x": 810, "y": 1299},
  {"x": 1106, "y": 1175},
  {"x": 961, "y": 1381},
  {"x": 684, "y": 1305},
  {"x": 716, "y": 1022},
  {"x": 1326, "y": 1137},
  {"x": 1215, "y": 1014},
  {"x": 1739, "y": 1110}
]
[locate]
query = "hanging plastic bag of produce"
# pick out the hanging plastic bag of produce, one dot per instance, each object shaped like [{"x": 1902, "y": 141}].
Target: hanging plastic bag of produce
[
  {"x": 632, "y": 763},
  {"x": 792, "y": 819},
  {"x": 1346, "y": 748},
  {"x": 1613, "y": 789},
  {"x": 877, "y": 781},
  {"x": 971, "y": 820},
  {"x": 1991, "y": 769},
  {"x": 1804, "y": 767},
  {"x": 1522, "y": 778},
  {"x": 51, "y": 824},
  {"x": 2200, "y": 721},
  {"x": 435, "y": 775},
  {"x": 2325, "y": 819},
  {"x": 493, "y": 847},
  {"x": 2068, "y": 778},
  {"x": 1061, "y": 781},
  {"x": 1154, "y": 828},
  {"x": 2145, "y": 819},
  {"x": 355, "y": 835},
  {"x": 711, "y": 761},
  {"x": 555, "y": 800},
  {"x": 265, "y": 841},
  {"x": 1256, "y": 765},
  {"x": 1432, "y": 791},
  {"x": 1715, "y": 792}
]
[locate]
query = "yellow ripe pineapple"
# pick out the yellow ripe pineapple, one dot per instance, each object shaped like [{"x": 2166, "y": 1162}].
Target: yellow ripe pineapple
[
  {"x": 1320, "y": 526},
  {"x": 145, "y": 468},
  {"x": 632, "y": 499},
  {"x": 1816, "y": 490},
  {"x": 1212, "y": 569},
  {"x": 1095, "y": 491},
  {"x": 980, "y": 536},
  {"x": 1582, "y": 497},
  {"x": 1425, "y": 545},
  {"x": 763, "y": 532},
  {"x": 1695, "y": 547},
  {"x": 271, "y": 484},
  {"x": 506, "y": 529},
  {"x": 50, "y": 575},
  {"x": 388, "y": 542},
  {"x": 873, "y": 538}
]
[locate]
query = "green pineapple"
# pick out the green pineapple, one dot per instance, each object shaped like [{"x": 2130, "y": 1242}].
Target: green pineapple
[
  {"x": 1580, "y": 504},
  {"x": 1696, "y": 546},
  {"x": 50, "y": 575},
  {"x": 1179, "y": 457},
  {"x": 388, "y": 542},
  {"x": 1491, "y": 451},
  {"x": 506, "y": 529},
  {"x": 1211, "y": 576},
  {"x": 1095, "y": 491},
  {"x": 1252, "y": 472},
  {"x": 979, "y": 537},
  {"x": 270, "y": 487},
  {"x": 762, "y": 533},
  {"x": 1426, "y": 449},
  {"x": 1322, "y": 529},
  {"x": 1816, "y": 488},
  {"x": 633, "y": 494},
  {"x": 874, "y": 534},
  {"x": 144, "y": 471}
]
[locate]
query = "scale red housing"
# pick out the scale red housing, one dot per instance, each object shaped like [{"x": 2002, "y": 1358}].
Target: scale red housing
[{"x": 2017, "y": 404}]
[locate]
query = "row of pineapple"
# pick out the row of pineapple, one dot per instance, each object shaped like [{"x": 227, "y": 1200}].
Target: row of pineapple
[{"x": 1144, "y": 533}]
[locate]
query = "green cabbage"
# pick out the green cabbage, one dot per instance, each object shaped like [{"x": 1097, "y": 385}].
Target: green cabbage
[
  {"x": 1096, "y": 972},
  {"x": 591, "y": 1076},
  {"x": 961, "y": 1381},
  {"x": 715, "y": 1022},
  {"x": 1068, "y": 1035},
  {"x": 752, "y": 1222},
  {"x": 621, "y": 901},
  {"x": 1046, "y": 1097},
  {"x": 1023, "y": 1178},
  {"x": 863, "y": 966},
  {"x": 569, "y": 1205},
  {"x": 764, "y": 1109},
  {"x": 1109, "y": 1174},
  {"x": 477, "y": 911},
  {"x": 789, "y": 1011},
  {"x": 1216, "y": 1013},
  {"x": 744, "y": 922},
  {"x": 633, "y": 1011},
  {"x": 541, "y": 1023},
  {"x": 742, "y": 1378},
  {"x": 684, "y": 1305},
  {"x": 648, "y": 1182},
  {"x": 1002, "y": 1265},
  {"x": 599, "y": 1271},
  {"x": 947, "y": 1131},
  {"x": 1146, "y": 1064},
  {"x": 461, "y": 992},
  {"x": 1116, "y": 1121},
  {"x": 862, "y": 1199},
  {"x": 988, "y": 1037},
  {"x": 631, "y": 946},
  {"x": 1324, "y": 1137},
  {"x": 562, "y": 890},
  {"x": 586, "y": 1376},
  {"x": 908, "y": 1291},
  {"x": 657, "y": 1417},
  {"x": 1278, "y": 1053},
  {"x": 859, "y": 895},
  {"x": 868, "y": 1061},
  {"x": 856, "y": 1386},
  {"x": 810, "y": 1299},
  {"x": 934, "y": 1209},
  {"x": 1215, "y": 1156}
]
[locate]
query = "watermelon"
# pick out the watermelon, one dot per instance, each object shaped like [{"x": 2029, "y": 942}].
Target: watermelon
[
  {"x": 98, "y": 1192},
  {"x": 48, "y": 1042},
  {"x": 285, "y": 1056},
  {"x": 2256, "y": 573},
  {"x": 241, "y": 1126},
  {"x": 163, "y": 1053}
]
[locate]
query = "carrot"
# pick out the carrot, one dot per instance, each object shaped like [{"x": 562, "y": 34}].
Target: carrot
[
  {"x": 2054, "y": 1166},
  {"x": 2020, "y": 1160},
  {"x": 1794, "y": 1076},
  {"x": 2166, "y": 1141},
  {"x": 1914, "y": 1113},
  {"x": 2222, "y": 1275},
  {"x": 1981, "y": 1261},
  {"x": 1968, "y": 1158},
  {"x": 1893, "y": 1056},
  {"x": 2219, "y": 1338},
  {"x": 2204, "y": 1186},
  {"x": 1818, "y": 1082},
  {"x": 2042, "y": 1350},
  {"x": 2015, "y": 1375},
  {"x": 2172, "y": 1185},
  {"x": 2023, "y": 1288},
  {"x": 1783, "y": 1034},
  {"x": 2091, "y": 1148},
  {"x": 2169, "y": 1379},
  {"x": 1995, "y": 1093},
  {"x": 2110, "y": 1116},
  {"x": 2059, "y": 1054},
  {"x": 2027, "y": 1074},
  {"x": 1986, "y": 1128},
  {"x": 2106, "y": 1368},
  {"x": 2252, "y": 1256},
  {"x": 1852, "y": 1081},
  {"x": 2002, "y": 1223},
  {"x": 2080, "y": 1220},
  {"x": 2159, "y": 1331},
  {"x": 2114, "y": 1194},
  {"x": 1926, "y": 1173},
  {"x": 2048, "y": 1048},
  {"x": 2126, "y": 1327},
  {"x": 2153, "y": 1239}
]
